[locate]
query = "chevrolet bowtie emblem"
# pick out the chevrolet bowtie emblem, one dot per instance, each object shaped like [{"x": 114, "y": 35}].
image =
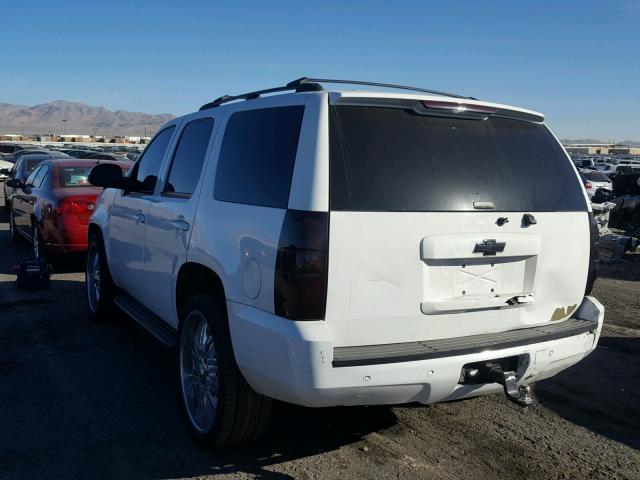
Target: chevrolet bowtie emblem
[{"x": 489, "y": 247}]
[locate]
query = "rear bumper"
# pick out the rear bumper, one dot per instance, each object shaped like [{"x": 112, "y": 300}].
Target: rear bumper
[{"x": 297, "y": 363}]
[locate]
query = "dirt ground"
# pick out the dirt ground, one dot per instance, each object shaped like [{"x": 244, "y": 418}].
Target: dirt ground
[{"x": 86, "y": 400}]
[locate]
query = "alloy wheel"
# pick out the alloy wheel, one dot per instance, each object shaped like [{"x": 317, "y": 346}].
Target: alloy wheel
[
  {"x": 199, "y": 376},
  {"x": 93, "y": 277}
]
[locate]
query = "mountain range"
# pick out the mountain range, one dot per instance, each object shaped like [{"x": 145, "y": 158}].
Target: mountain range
[
  {"x": 568, "y": 141},
  {"x": 77, "y": 118}
]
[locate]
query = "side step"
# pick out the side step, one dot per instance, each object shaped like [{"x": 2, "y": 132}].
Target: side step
[{"x": 147, "y": 319}]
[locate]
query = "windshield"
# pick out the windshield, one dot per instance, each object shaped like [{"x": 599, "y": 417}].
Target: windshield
[{"x": 394, "y": 159}]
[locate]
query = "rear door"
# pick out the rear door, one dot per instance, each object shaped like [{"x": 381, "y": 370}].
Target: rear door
[
  {"x": 445, "y": 225},
  {"x": 171, "y": 213}
]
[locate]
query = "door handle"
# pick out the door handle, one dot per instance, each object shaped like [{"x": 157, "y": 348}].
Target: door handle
[
  {"x": 180, "y": 225},
  {"x": 140, "y": 217}
]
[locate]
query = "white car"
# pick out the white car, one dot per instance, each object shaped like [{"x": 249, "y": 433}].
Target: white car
[
  {"x": 593, "y": 180},
  {"x": 335, "y": 247}
]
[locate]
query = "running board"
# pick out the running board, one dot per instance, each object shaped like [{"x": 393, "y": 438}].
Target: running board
[
  {"x": 147, "y": 319},
  {"x": 451, "y": 347}
]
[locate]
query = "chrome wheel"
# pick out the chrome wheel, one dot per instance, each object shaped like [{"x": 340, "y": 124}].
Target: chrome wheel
[
  {"x": 199, "y": 377},
  {"x": 93, "y": 277}
]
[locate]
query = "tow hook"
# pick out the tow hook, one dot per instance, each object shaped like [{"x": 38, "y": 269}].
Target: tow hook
[{"x": 520, "y": 395}]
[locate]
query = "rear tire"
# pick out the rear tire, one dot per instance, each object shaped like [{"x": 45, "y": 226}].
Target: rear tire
[
  {"x": 219, "y": 406},
  {"x": 98, "y": 283},
  {"x": 39, "y": 249}
]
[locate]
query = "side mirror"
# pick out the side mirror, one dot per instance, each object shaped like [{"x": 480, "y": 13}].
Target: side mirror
[
  {"x": 14, "y": 183},
  {"x": 107, "y": 175}
]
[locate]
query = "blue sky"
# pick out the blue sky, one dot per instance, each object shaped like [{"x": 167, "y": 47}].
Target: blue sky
[{"x": 576, "y": 61}]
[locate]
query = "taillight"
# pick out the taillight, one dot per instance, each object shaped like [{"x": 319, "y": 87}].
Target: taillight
[
  {"x": 588, "y": 185},
  {"x": 300, "y": 283},
  {"x": 69, "y": 205},
  {"x": 594, "y": 254}
]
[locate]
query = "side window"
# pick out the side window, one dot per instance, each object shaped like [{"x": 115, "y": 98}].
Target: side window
[
  {"x": 145, "y": 174},
  {"x": 42, "y": 173},
  {"x": 16, "y": 167},
  {"x": 257, "y": 156},
  {"x": 188, "y": 159},
  {"x": 32, "y": 177}
]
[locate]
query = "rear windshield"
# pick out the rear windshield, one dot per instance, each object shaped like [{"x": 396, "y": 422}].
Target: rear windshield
[
  {"x": 596, "y": 177},
  {"x": 393, "y": 159},
  {"x": 74, "y": 176}
]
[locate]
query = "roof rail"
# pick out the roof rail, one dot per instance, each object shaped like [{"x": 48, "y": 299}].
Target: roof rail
[
  {"x": 305, "y": 81},
  {"x": 307, "y": 87},
  {"x": 305, "y": 84}
]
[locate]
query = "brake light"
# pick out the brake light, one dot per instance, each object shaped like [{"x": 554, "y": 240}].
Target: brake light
[
  {"x": 594, "y": 254},
  {"x": 457, "y": 107},
  {"x": 300, "y": 283},
  {"x": 588, "y": 185}
]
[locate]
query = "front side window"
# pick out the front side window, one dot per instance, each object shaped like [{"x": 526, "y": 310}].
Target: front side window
[
  {"x": 189, "y": 158},
  {"x": 145, "y": 174},
  {"x": 257, "y": 156}
]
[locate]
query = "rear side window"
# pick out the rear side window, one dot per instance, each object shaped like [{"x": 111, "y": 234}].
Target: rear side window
[
  {"x": 393, "y": 159},
  {"x": 189, "y": 157},
  {"x": 32, "y": 163},
  {"x": 31, "y": 179},
  {"x": 257, "y": 156},
  {"x": 145, "y": 173}
]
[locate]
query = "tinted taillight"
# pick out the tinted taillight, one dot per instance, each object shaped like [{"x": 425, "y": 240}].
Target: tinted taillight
[
  {"x": 594, "y": 254},
  {"x": 69, "y": 205},
  {"x": 300, "y": 284}
]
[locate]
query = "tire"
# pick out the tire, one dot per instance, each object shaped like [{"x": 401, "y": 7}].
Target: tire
[
  {"x": 231, "y": 411},
  {"x": 7, "y": 207},
  {"x": 39, "y": 249},
  {"x": 13, "y": 233},
  {"x": 99, "y": 285}
]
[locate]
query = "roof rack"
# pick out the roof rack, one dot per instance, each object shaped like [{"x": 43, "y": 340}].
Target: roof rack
[{"x": 306, "y": 84}]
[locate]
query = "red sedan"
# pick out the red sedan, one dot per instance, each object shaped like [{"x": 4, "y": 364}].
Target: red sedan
[{"x": 52, "y": 208}]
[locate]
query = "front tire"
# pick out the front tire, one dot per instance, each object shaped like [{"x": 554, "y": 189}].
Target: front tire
[
  {"x": 98, "y": 282},
  {"x": 219, "y": 406},
  {"x": 13, "y": 233}
]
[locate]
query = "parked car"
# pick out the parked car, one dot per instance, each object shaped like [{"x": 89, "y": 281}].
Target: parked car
[
  {"x": 9, "y": 148},
  {"x": 52, "y": 207},
  {"x": 593, "y": 180},
  {"x": 20, "y": 170},
  {"x": 348, "y": 248},
  {"x": 78, "y": 153},
  {"x": 105, "y": 156},
  {"x": 13, "y": 158}
]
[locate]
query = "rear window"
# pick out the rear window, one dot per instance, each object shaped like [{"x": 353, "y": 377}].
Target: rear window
[
  {"x": 257, "y": 156},
  {"x": 393, "y": 159},
  {"x": 31, "y": 164},
  {"x": 74, "y": 176},
  {"x": 596, "y": 177}
]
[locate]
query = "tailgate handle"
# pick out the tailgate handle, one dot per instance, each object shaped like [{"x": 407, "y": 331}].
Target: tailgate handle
[{"x": 477, "y": 303}]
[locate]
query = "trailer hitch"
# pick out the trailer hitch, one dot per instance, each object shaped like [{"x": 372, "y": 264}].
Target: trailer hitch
[{"x": 520, "y": 395}]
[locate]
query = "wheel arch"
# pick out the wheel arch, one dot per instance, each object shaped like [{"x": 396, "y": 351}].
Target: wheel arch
[{"x": 195, "y": 279}]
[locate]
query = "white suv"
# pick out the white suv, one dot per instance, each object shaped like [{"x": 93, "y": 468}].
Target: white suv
[{"x": 335, "y": 247}]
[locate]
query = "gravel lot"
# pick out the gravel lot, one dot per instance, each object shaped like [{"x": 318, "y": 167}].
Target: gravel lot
[{"x": 86, "y": 400}]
